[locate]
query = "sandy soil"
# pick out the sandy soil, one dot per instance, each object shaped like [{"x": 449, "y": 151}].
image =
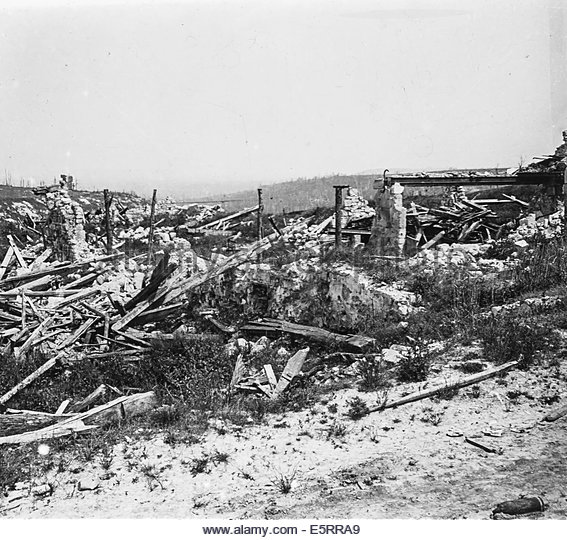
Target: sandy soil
[{"x": 410, "y": 462}]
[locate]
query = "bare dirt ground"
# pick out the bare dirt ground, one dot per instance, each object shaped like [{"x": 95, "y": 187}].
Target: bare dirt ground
[{"x": 410, "y": 462}]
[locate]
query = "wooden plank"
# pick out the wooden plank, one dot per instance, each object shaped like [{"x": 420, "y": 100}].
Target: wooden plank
[
  {"x": 77, "y": 334},
  {"x": 81, "y": 295},
  {"x": 43, "y": 256},
  {"x": 222, "y": 327},
  {"x": 62, "y": 407},
  {"x": 433, "y": 241},
  {"x": 33, "y": 337},
  {"x": 48, "y": 337},
  {"x": 158, "y": 314},
  {"x": 354, "y": 342},
  {"x": 85, "y": 403},
  {"x": 30, "y": 378},
  {"x": 33, "y": 307},
  {"x": 460, "y": 383},
  {"x": 129, "y": 335},
  {"x": 324, "y": 224},
  {"x": 271, "y": 376},
  {"x": 6, "y": 261},
  {"x": 292, "y": 368},
  {"x": 238, "y": 214},
  {"x": 239, "y": 371},
  {"x": 511, "y": 198},
  {"x": 24, "y": 310},
  {"x": 77, "y": 283},
  {"x": 44, "y": 280},
  {"x": 59, "y": 268},
  {"x": 118, "y": 409},
  {"x": 17, "y": 252},
  {"x": 42, "y": 294}
]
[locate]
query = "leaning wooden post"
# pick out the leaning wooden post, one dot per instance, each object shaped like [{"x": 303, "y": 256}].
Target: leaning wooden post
[
  {"x": 259, "y": 230},
  {"x": 338, "y": 214},
  {"x": 151, "y": 233},
  {"x": 107, "y": 220}
]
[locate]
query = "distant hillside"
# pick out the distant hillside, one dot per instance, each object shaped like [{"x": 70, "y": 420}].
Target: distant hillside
[
  {"x": 301, "y": 194},
  {"x": 307, "y": 193}
]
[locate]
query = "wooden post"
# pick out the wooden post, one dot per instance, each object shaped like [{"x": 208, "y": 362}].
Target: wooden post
[
  {"x": 259, "y": 230},
  {"x": 338, "y": 214},
  {"x": 151, "y": 233},
  {"x": 107, "y": 222},
  {"x": 23, "y": 310},
  {"x": 565, "y": 203}
]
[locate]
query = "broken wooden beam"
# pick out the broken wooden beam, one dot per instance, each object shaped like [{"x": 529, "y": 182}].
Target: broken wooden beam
[
  {"x": 30, "y": 378},
  {"x": 352, "y": 342},
  {"x": 291, "y": 370},
  {"x": 230, "y": 217},
  {"x": 460, "y": 383},
  {"x": 119, "y": 409}
]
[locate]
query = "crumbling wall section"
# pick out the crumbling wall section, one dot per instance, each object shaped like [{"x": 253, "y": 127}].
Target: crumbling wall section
[
  {"x": 64, "y": 227},
  {"x": 334, "y": 296},
  {"x": 389, "y": 228}
]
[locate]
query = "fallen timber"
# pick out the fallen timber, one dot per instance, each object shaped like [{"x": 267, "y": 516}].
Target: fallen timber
[
  {"x": 220, "y": 222},
  {"x": 355, "y": 343},
  {"x": 116, "y": 410},
  {"x": 59, "y": 269},
  {"x": 459, "y": 383}
]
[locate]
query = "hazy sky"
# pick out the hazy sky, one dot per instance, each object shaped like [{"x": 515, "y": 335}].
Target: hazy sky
[{"x": 207, "y": 97}]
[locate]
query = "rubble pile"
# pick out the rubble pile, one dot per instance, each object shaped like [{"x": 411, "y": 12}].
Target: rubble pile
[
  {"x": 543, "y": 226},
  {"x": 305, "y": 236},
  {"x": 355, "y": 208}
]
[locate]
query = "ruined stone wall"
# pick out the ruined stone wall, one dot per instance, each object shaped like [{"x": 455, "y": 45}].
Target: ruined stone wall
[
  {"x": 64, "y": 228},
  {"x": 333, "y": 296},
  {"x": 389, "y": 228}
]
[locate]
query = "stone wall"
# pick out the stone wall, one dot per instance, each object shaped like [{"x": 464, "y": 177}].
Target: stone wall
[
  {"x": 389, "y": 228},
  {"x": 335, "y": 296},
  {"x": 64, "y": 228}
]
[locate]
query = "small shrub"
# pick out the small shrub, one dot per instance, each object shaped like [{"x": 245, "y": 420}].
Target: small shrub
[
  {"x": 415, "y": 366},
  {"x": 200, "y": 465},
  {"x": 106, "y": 458},
  {"x": 474, "y": 391},
  {"x": 371, "y": 372},
  {"x": 431, "y": 417},
  {"x": 337, "y": 430},
  {"x": 508, "y": 338},
  {"x": 357, "y": 408},
  {"x": 284, "y": 483},
  {"x": 220, "y": 457},
  {"x": 151, "y": 475}
]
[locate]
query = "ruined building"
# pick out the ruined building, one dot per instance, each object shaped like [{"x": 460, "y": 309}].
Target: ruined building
[{"x": 64, "y": 229}]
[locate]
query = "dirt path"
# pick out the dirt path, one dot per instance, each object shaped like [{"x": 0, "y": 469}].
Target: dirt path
[{"x": 403, "y": 463}]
